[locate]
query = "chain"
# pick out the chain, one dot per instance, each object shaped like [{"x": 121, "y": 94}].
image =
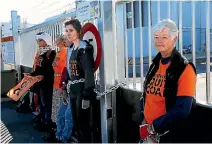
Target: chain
[
  {"x": 111, "y": 89},
  {"x": 159, "y": 135},
  {"x": 74, "y": 82},
  {"x": 99, "y": 94},
  {"x": 156, "y": 137}
]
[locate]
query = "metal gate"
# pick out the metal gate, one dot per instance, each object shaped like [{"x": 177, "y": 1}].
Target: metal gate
[
  {"x": 134, "y": 22},
  {"x": 132, "y": 49}
]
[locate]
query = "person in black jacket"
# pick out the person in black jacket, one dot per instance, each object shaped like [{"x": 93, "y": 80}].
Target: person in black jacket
[
  {"x": 80, "y": 85},
  {"x": 169, "y": 90},
  {"x": 43, "y": 66}
]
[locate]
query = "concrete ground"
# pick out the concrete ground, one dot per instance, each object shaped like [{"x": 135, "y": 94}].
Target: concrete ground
[{"x": 16, "y": 127}]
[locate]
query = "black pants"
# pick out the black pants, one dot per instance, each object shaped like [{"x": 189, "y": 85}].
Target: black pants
[
  {"x": 45, "y": 103},
  {"x": 86, "y": 121}
]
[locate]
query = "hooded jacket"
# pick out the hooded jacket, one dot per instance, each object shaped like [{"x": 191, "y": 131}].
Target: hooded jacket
[{"x": 80, "y": 64}]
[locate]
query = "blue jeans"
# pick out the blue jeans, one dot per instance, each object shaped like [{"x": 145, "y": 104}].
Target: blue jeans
[{"x": 64, "y": 122}]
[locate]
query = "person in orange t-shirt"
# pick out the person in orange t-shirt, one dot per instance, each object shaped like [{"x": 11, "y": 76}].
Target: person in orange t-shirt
[
  {"x": 169, "y": 89},
  {"x": 61, "y": 115},
  {"x": 59, "y": 66}
]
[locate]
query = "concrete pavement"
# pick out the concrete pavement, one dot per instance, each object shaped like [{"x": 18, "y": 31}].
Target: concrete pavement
[{"x": 18, "y": 125}]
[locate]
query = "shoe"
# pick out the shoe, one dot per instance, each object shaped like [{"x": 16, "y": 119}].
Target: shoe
[
  {"x": 49, "y": 137},
  {"x": 59, "y": 141},
  {"x": 53, "y": 125},
  {"x": 73, "y": 139},
  {"x": 37, "y": 125},
  {"x": 41, "y": 127},
  {"x": 36, "y": 119}
]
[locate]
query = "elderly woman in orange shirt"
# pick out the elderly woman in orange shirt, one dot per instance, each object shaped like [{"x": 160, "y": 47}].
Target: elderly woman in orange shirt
[
  {"x": 61, "y": 110},
  {"x": 59, "y": 66},
  {"x": 169, "y": 89}
]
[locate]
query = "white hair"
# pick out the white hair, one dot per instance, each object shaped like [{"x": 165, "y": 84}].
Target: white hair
[
  {"x": 61, "y": 37},
  {"x": 166, "y": 23},
  {"x": 44, "y": 36}
]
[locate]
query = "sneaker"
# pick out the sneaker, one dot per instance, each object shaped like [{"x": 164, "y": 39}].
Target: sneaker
[{"x": 49, "y": 137}]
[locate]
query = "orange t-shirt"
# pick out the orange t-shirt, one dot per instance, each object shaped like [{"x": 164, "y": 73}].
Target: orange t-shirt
[
  {"x": 59, "y": 66},
  {"x": 155, "y": 101}
]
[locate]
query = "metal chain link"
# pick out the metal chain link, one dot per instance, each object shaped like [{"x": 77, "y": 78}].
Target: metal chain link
[
  {"x": 159, "y": 135},
  {"x": 99, "y": 94},
  {"x": 155, "y": 137},
  {"x": 111, "y": 89},
  {"x": 74, "y": 82},
  {"x": 77, "y": 81}
]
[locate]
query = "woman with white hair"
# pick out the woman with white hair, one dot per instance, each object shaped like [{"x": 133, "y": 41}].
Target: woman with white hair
[
  {"x": 43, "y": 66},
  {"x": 169, "y": 89},
  {"x": 61, "y": 112},
  {"x": 59, "y": 66}
]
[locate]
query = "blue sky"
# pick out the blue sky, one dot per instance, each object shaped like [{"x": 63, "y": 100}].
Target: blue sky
[{"x": 34, "y": 11}]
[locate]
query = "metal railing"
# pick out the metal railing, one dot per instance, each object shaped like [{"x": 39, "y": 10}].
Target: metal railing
[{"x": 137, "y": 69}]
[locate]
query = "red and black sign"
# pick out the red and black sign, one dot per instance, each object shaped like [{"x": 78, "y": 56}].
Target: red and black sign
[{"x": 87, "y": 29}]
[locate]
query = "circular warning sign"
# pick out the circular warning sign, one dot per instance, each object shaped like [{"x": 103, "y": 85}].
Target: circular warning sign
[{"x": 91, "y": 34}]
